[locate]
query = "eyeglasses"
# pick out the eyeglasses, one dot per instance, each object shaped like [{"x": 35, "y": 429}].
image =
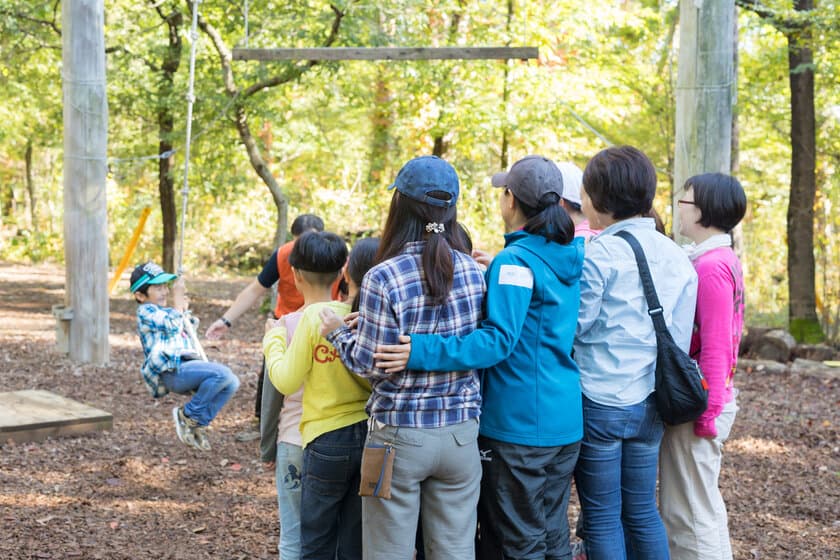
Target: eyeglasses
[{"x": 686, "y": 202}]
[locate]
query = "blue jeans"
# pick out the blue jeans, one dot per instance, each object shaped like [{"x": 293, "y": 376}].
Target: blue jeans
[
  {"x": 616, "y": 481},
  {"x": 214, "y": 384},
  {"x": 288, "y": 470},
  {"x": 331, "y": 509}
]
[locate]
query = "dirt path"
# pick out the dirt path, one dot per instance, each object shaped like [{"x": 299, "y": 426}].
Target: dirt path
[{"x": 136, "y": 492}]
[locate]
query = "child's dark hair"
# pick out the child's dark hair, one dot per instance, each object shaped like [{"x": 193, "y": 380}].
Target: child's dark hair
[
  {"x": 720, "y": 198},
  {"x": 319, "y": 256},
  {"x": 549, "y": 220},
  {"x": 306, "y": 222},
  {"x": 362, "y": 258},
  {"x": 407, "y": 221},
  {"x": 620, "y": 181}
]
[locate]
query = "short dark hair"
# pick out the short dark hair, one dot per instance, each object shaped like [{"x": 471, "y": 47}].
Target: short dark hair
[
  {"x": 720, "y": 198},
  {"x": 362, "y": 258},
  {"x": 620, "y": 181},
  {"x": 319, "y": 255},
  {"x": 306, "y": 222}
]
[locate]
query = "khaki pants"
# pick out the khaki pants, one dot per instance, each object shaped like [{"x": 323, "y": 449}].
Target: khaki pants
[
  {"x": 690, "y": 501},
  {"x": 438, "y": 471}
]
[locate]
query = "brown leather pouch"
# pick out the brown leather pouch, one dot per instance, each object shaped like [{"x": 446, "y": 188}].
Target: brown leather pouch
[{"x": 377, "y": 469}]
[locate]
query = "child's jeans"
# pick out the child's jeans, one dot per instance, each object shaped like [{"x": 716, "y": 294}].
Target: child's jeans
[
  {"x": 331, "y": 509},
  {"x": 288, "y": 473},
  {"x": 214, "y": 384}
]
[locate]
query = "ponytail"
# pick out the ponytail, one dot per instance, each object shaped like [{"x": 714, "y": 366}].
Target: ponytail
[
  {"x": 438, "y": 266},
  {"x": 406, "y": 222},
  {"x": 549, "y": 220}
]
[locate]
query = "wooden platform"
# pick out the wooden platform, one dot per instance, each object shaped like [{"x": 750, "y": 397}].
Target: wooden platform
[{"x": 36, "y": 415}]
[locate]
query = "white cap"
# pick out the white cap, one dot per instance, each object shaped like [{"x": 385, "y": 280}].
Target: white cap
[{"x": 572, "y": 181}]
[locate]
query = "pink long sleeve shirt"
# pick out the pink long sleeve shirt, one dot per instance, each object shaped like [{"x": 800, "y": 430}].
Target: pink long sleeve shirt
[{"x": 718, "y": 322}]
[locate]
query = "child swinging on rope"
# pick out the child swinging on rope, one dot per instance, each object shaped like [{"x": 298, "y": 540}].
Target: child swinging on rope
[{"x": 173, "y": 362}]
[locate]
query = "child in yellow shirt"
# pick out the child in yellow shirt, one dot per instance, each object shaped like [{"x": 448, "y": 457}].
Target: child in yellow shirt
[{"x": 334, "y": 422}]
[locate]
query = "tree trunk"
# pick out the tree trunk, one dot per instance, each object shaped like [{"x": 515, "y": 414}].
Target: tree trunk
[
  {"x": 504, "y": 156},
  {"x": 241, "y": 115},
  {"x": 166, "y": 125},
  {"x": 735, "y": 151},
  {"x": 30, "y": 187},
  {"x": 166, "y": 190},
  {"x": 85, "y": 153},
  {"x": 802, "y": 310},
  {"x": 381, "y": 120},
  {"x": 705, "y": 85},
  {"x": 262, "y": 169}
]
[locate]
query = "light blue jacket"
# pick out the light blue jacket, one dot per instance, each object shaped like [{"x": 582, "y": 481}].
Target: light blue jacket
[
  {"x": 531, "y": 388},
  {"x": 615, "y": 347}
]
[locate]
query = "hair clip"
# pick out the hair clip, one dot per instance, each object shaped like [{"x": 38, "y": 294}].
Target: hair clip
[{"x": 434, "y": 227}]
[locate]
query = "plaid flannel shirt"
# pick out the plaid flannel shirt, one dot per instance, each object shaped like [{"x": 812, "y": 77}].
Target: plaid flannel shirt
[
  {"x": 393, "y": 302},
  {"x": 161, "y": 331}
]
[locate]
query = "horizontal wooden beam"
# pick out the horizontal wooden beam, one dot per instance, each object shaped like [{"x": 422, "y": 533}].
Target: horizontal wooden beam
[{"x": 388, "y": 53}]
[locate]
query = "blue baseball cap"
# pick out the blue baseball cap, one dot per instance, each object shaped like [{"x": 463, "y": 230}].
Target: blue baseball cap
[
  {"x": 425, "y": 174},
  {"x": 149, "y": 274}
]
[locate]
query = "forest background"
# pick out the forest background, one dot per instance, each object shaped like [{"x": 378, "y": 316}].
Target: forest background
[{"x": 272, "y": 139}]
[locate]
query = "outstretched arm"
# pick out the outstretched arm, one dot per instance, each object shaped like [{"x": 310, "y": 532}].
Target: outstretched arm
[
  {"x": 252, "y": 293},
  {"x": 509, "y": 291}
]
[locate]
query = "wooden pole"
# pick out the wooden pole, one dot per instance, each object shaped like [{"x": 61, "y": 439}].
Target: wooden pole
[
  {"x": 387, "y": 53},
  {"x": 706, "y": 86},
  {"x": 85, "y": 151}
]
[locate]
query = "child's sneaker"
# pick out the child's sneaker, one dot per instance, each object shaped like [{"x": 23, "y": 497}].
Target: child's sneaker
[
  {"x": 184, "y": 426},
  {"x": 201, "y": 440}
]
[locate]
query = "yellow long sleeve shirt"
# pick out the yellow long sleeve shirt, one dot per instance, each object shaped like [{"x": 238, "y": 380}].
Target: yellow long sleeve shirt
[{"x": 333, "y": 397}]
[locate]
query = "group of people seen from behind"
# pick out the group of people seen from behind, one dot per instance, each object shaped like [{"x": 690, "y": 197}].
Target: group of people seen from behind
[{"x": 496, "y": 381}]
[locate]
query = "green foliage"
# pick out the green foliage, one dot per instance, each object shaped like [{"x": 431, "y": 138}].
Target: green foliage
[{"x": 335, "y": 137}]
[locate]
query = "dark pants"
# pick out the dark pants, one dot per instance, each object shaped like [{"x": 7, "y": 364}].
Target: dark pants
[
  {"x": 260, "y": 381},
  {"x": 330, "y": 507},
  {"x": 522, "y": 510}
]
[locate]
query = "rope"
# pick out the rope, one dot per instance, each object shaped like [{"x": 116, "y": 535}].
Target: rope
[
  {"x": 188, "y": 326},
  {"x": 190, "y": 100}
]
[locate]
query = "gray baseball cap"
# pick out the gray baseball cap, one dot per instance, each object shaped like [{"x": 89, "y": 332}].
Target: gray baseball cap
[{"x": 530, "y": 178}]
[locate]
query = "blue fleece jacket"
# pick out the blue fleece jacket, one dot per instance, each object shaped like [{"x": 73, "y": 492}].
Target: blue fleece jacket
[{"x": 531, "y": 386}]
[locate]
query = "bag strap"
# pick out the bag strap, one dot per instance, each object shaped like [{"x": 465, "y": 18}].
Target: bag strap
[{"x": 654, "y": 307}]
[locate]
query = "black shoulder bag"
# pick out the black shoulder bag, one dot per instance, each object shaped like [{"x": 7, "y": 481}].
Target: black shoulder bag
[{"x": 681, "y": 391}]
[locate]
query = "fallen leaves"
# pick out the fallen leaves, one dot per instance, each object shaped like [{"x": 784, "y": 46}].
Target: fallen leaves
[{"x": 137, "y": 492}]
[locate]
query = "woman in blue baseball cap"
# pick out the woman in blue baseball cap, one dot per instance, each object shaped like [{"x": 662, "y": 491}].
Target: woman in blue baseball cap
[
  {"x": 425, "y": 282},
  {"x": 531, "y": 422}
]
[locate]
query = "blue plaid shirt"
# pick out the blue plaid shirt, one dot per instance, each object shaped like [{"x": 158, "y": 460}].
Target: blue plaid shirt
[
  {"x": 161, "y": 331},
  {"x": 393, "y": 302}
]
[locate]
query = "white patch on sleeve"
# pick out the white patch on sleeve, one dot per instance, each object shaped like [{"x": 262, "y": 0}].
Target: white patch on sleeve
[{"x": 512, "y": 275}]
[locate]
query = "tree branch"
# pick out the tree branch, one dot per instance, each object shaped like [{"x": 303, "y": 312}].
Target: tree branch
[
  {"x": 26, "y": 17},
  {"x": 293, "y": 72},
  {"x": 122, "y": 50},
  {"x": 783, "y": 21}
]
